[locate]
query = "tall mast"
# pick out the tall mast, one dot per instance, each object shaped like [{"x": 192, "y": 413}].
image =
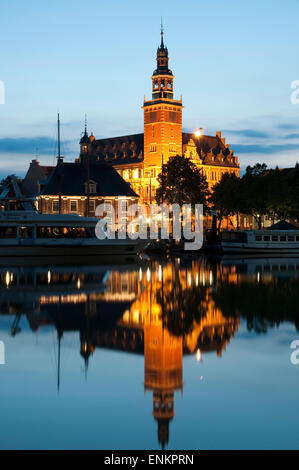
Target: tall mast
[
  {"x": 59, "y": 161},
  {"x": 58, "y": 128}
]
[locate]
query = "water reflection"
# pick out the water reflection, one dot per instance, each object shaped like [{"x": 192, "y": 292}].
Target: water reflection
[{"x": 161, "y": 309}]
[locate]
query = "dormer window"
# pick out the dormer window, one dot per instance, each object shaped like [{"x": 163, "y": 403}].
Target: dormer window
[{"x": 91, "y": 187}]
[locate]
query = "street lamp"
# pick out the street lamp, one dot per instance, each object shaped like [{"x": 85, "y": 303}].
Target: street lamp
[{"x": 198, "y": 133}]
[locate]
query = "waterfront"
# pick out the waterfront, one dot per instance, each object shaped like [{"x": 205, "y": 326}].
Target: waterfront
[{"x": 143, "y": 354}]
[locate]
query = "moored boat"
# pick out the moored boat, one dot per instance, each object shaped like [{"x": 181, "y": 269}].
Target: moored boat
[
  {"x": 28, "y": 233},
  {"x": 278, "y": 242}
]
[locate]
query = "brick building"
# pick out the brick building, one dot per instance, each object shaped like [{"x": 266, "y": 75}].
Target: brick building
[{"x": 138, "y": 158}]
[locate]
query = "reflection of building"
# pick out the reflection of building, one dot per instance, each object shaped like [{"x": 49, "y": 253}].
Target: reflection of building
[
  {"x": 163, "y": 371},
  {"x": 163, "y": 351},
  {"x": 128, "y": 311}
]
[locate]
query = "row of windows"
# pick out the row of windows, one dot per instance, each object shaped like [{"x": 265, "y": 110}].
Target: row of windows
[
  {"x": 277, "y": 238},
  {"x": 172, "y": 148},
  {"x": 131, "y": 174},
  {"x": 73, "y": 207},
  {"x": 62, "y": 232},
  {"x": 45, "y": 232},
  {"x": 153, "y": 132}
]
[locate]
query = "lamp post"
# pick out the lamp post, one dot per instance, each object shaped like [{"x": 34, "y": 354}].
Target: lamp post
[{"x": 198, "y": 133}]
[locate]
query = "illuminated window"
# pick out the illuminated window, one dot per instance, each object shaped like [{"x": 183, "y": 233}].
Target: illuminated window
[
  {"x": 55, "y": 206},
  {"x": 153, "y": 148},
  {"x": 136, "y": 173},
  {"x": 126, "y": 174},
  {"x": 92, "y": 205},
  {"x": 74, "y": 206}
]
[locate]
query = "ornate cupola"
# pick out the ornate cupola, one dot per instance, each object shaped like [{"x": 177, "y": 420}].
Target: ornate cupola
[
  {"x": 84, "y": 142},
  {"x": 162, "y": 76}
]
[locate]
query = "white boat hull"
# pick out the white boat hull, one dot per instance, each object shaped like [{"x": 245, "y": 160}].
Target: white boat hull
[
  {"x": 260, "y": 249},
  {"x": 120, "y": 247}
]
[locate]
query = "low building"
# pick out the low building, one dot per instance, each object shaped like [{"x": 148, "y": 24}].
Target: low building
[{"x": 80, "y": 187}]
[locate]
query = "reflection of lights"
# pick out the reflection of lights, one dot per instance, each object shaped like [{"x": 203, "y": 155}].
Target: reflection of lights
[
  {"x": 79, "y": 283},
  {"x": 148, "y": 275},
  {"x": 198, "y": 355},
  {"x": 211, "y": 278},
  {"x": 49, "y": 277},
  {"x": 160, "y": 272},
  {"x": 203, "y": 279},
  {"x": 196, "y": 280},
  {"x": 140, "y": 274},
  {"x": 258, "y": 277},
  {"x": 7, "y": 278},
  {"x": 189, "y": 279}
]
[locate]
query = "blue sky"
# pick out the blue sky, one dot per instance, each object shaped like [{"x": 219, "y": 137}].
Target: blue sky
[{"x": 233, "y": 62}]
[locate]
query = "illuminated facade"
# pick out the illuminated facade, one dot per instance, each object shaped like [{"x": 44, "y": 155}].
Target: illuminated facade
[{"x": 138, "y": 158}]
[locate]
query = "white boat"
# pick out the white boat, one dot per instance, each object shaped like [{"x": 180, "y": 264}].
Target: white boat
[
  {"x": 29, "y": 234},
  {"x": 278, "y": 242}
]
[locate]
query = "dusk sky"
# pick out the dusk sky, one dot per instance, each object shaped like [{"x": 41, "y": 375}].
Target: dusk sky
[{"x": 233, "y": 62}]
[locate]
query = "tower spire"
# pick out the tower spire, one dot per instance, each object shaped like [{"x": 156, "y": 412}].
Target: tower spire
[{"x": 162, "y": 34}]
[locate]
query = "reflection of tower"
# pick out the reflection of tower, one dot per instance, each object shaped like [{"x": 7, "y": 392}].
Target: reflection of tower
[
  {"x": 163, "y": 360},
  {"x": 87, "y": 346}
]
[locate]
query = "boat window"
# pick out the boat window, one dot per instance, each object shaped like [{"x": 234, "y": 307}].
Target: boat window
[
  {"x": 258, "y": 238},
  {"x": 25, "y": 232},
  {"x": 63, "y": 232},
  {"x": 297, "y": 238},
  {"x": 8, "y": 232},
  {"x": 283, "y": 238},
  {"x": 267, "y": 238},
  {"x": 274, "y": 238},
  {"x": 291, "y": 238},
  {"x": 234, "y": 237}
]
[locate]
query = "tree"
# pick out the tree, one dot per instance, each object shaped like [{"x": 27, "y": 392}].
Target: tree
[
  {"x": 226, "y": 197},
  {"x": 182, "y": 182},
  {"x": 256, "y": 192}
]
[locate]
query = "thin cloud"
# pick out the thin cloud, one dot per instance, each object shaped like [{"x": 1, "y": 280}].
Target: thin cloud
[
  {"x": 251, "y": 133},
  {"x": 264, "y": 149},
  {"x": 31, "y": 145}
]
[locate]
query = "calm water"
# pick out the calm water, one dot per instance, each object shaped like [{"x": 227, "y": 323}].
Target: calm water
[{"x": 131, "y": 354}]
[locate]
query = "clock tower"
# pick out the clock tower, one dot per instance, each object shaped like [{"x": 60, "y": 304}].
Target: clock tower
[{"x": 162, "y": 117}]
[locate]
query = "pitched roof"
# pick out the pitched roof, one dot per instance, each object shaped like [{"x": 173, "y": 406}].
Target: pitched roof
[
  {"x": 47, "y": 170},
  {"x": 283, "y": 225},
  {"x": 69, "y": 179},
  {"x": 212, "y": 150},
  {"x": 129, "y": 149},
  {"x": 119, "y": 150}
]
